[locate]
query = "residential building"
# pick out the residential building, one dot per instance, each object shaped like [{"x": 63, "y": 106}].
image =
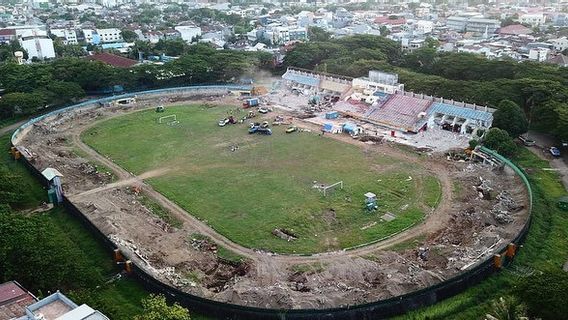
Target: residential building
[
  {"x": 298, "y": 34},
  {"x": 37, "y": 44},
  {"x": 535, "y": 19},
  {"x": 559, "y": 59},
  {"x": 7, "y": 35},
  {"x": 477, "y": 25},
  {"x": 188, "y": 33},
  {"x": 112, "y": 59},
  {"x": 538, "y": 54},
  {"x": 514, "y": 30},
  {"x": 91, "y": 36},
  {"x": 560, "y": 44},
  {"x": 424, "y": 26},
  {"x": 109, "y": 35},
  {"x": 13, "y": 300},
  {"x": 16, "y": 303},
  {"x": 69, "y": 36}
]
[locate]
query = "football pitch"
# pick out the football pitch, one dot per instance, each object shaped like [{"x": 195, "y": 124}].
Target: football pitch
[{"x": 247, "y": 185}]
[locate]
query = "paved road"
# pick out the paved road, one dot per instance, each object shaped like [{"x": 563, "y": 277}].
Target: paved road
[{"x": 543, "y": 143}]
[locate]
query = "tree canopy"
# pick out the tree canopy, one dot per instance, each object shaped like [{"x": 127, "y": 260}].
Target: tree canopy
[
  {"x": 500, "y": 141},
  {"x": 510, "y": 118},
  {"x": 156, "y": 308}
]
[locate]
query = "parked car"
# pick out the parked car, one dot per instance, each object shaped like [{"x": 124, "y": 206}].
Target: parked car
[
  {"x": 554, "y": 151},
  {"x": 223, "y": 122},
  {"x": 291, "y": 129},
  {"x": 263, "y": 110},
  {"x": 526, "y": 141}
]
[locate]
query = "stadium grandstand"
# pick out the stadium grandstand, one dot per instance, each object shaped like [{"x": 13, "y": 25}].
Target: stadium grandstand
[
  {"x": 463, "y": 119},
  {"x": 319, "y": 82},
  {"x": 379, "y": 99},
  {"x": 402, "y": 112}
]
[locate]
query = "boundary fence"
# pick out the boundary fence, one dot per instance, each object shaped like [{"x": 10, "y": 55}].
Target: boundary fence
[{"x": 374, "y": 310}]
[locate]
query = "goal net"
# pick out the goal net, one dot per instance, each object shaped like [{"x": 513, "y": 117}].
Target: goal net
[
  {"x": 328, "y": 189},
  {"x": 168, "y": 119}
]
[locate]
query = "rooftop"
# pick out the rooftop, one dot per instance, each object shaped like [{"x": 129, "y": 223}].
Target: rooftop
[
  {"x": 460, "y": 112},
  {"x": 515, "y": 29},
  {"x": 13, "y": 300},
  {"x": 113, "y": 60},
  {"x": 400, "y": 111}
]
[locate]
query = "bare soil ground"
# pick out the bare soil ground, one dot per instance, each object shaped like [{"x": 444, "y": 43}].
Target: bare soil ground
[{"x": 481, "y": 209}]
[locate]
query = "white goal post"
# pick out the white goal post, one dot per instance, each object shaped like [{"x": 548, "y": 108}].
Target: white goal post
[
  {"x": 332, "y": 187},
  {"x": 163, "y": 119}
]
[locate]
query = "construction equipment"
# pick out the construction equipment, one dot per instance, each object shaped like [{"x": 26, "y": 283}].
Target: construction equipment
[
  {"x": 250, "y": 103},
  {"x": 258, "y": 91}
]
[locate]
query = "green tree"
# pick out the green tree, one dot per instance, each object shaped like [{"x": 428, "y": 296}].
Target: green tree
[
  {"x": 33, "y": 244},
  {"x": 318, "y": 34},
  {"x": 545, "y": 294},
  {"x": 129, "y": 35},
  {"x": 20, "y": 103},
  {"x": 156, "y": 308},
  {"x": 500, "y": 141},
  {"x": 510, "y": 118}
]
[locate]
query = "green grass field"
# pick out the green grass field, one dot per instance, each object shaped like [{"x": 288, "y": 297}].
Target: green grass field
[{"x": 267, "y": 183}]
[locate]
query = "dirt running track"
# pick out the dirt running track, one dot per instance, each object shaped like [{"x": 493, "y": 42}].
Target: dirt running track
[
  {"x": 433, "y": 222},
  {"x": 462, "y": 229}
]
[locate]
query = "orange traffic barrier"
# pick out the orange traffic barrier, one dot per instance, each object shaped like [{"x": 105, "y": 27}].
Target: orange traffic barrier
[
  {"x": 511, "y": 250},
  {"x": 497, "y": 262}
]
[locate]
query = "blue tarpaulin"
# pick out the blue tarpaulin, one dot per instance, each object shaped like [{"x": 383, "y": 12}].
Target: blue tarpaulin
[
  {"x": 350, "y": 127},
  {"x": 328, "y": 127},
  {"x": 332, "y": 115}
]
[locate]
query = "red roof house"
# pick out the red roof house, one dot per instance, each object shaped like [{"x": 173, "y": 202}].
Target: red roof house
[
  {"x": 13, "y": 300},
  {"x": 387, "y": 21},
  {"x": 515, "y": 30},
  {"x": 113, "y": 60}
]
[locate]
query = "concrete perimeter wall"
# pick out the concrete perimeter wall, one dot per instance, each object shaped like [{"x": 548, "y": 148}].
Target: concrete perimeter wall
[{"x": 375, "y": 310}]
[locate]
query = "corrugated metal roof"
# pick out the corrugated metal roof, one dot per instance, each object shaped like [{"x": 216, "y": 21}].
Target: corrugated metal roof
[{"x": 461, "y": 112}]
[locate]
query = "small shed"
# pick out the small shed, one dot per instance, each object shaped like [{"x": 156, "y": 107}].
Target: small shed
[
  {"x": 55, "y": 191},
  {"x": 332, "y": 115},
  {"x": 328, "y": 127},
  {"x": 563, "y": 203},
  {"x": 350, "y": 128}
]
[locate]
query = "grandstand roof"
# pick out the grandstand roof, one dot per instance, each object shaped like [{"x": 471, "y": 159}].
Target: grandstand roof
[
  {"x": 461, "y": 112},
  {"x": 399, "y": 111},
  {"x": 301, "y": 79}
]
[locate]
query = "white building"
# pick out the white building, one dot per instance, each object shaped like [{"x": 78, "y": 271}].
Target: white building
[
  {"x": 91, "y": 36},
  {"x": 560, "y": 44},
  {"x": 109, "y": 35},
  {"x": 37, "y": 44},
  {"x": 278, "y": 35},
  {"x": 188, "y": 33},
  {"x": 69, "y": 36},
  {"x": 538, "y": 54},
  {"x": 424, "y": 26},
  {"x": 535, "y": 19}
]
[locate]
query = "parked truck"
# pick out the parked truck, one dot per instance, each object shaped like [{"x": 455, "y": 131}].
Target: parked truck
[{"x": 250, "y": 103}]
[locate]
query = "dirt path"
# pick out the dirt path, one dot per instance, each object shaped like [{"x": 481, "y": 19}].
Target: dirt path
[
  {"x": 433, "y": 222},
  {"x": 12, "y": 127}
]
